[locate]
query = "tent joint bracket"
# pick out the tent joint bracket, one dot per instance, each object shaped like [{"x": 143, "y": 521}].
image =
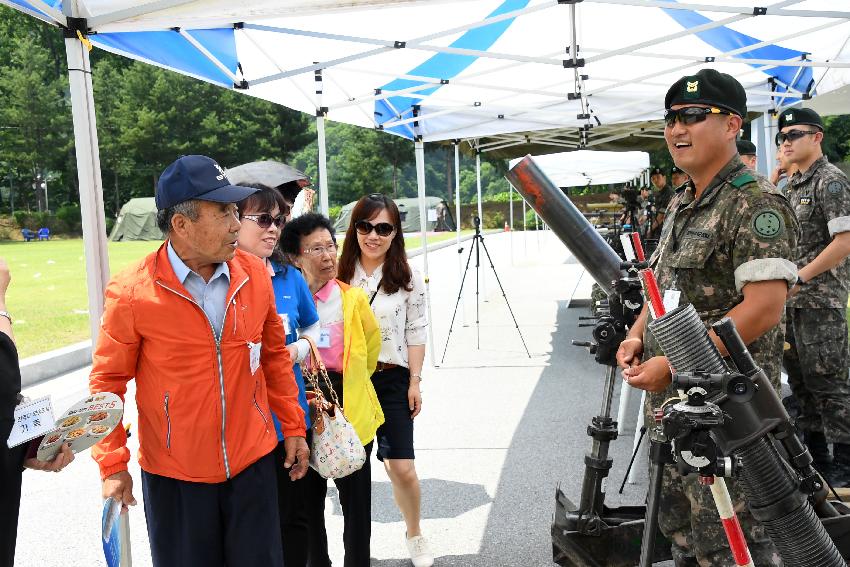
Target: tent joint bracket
[
  {"x": 759, "y": 11},
  {"x": 75, "y": 25},
  {"x": 400, "y": 44},
  {"x": 574, "y": 63}
]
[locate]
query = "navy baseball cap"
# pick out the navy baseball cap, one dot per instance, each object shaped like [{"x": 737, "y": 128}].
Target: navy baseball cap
[{"x": 197, "y": 177}]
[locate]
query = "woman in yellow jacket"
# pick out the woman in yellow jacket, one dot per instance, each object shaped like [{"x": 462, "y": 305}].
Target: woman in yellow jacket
[{"x": 349, "y": 344}]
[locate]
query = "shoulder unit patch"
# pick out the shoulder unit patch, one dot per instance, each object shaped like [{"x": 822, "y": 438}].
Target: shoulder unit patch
[{"x": 768, "y": 223}]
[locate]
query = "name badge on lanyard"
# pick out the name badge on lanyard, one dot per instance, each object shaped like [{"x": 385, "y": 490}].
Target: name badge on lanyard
[{"x": 324, "y": 339}]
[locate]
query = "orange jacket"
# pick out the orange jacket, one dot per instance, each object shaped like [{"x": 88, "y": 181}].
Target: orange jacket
[{"x": 203, "y": 416}]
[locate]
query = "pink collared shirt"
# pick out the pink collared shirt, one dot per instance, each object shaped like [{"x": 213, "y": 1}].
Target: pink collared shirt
[{"x": 329, "y": 305}]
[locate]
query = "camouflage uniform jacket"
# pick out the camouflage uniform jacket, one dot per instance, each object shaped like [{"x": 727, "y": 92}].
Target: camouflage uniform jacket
[
  {"x": 741, "y": 230},
  {"x": 663, "y": 198},
  {"x": 661, "y": 201},
  {"x": 821, "y": 199}
]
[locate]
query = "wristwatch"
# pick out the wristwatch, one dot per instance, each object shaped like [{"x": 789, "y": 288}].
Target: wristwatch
[
  {"x": 6, "y": 315},
  {"x": 800, "y": 281},
  {"x": 417, "y": 376}
]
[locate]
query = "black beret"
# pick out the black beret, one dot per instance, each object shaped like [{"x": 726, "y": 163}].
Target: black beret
[
  {"x": 709, "y": 87},
  {"x": 797, "y": 116},
  {"x": 656, "y": 171},
  {"x": 745, "y": 147}
]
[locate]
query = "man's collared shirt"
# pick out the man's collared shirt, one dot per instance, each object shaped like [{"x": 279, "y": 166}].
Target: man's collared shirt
[{"x": 212, "y": 295}]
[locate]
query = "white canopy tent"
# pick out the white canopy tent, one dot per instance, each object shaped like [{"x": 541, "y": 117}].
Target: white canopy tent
[
  {"x": 584, "y": 167},
  {"x": 560, "y": 71}
]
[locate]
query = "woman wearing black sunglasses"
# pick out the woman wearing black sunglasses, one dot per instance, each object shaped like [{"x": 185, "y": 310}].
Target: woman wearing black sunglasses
[
  {"x": 373, "y": 258},
  {"x": 263, "y": 216}
]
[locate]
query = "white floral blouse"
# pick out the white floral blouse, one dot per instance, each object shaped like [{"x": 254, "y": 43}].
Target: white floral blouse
[{"x": 401, "y": 315}]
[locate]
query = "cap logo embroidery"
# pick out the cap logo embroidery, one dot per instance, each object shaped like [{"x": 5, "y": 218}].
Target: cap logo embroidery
[
  {"x": 221, "y": 175},
  {"x": 692, "y": 86},
  {"x": 789, "y": 116}
]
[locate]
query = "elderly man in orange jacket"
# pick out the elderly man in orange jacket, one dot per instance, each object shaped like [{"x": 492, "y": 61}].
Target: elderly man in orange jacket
[{"x": 195, "y": 324}]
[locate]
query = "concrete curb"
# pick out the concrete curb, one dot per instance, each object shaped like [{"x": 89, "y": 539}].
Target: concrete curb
[
  {"x": 448, "y": 243},
  {"x": 54, "y": 363}
]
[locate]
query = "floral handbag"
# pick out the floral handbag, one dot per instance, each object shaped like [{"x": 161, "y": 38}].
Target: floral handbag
[{"x": 335, "y": 450}]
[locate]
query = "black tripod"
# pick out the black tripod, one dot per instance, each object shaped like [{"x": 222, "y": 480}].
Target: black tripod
[{"x": 477, "y": 244}]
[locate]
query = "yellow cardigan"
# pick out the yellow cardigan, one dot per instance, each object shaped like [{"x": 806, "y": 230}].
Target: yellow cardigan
[{"x": 361, "y": 347}]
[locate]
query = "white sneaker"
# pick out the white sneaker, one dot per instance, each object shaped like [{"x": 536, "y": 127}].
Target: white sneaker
[{"x": 420, "y": 555}]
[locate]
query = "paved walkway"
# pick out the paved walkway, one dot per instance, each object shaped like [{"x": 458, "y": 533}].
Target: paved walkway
[{"x": 499, "y": 429}]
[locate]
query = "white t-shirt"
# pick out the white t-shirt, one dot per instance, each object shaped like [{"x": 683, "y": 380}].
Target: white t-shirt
[{"x": 401, "y": 315}]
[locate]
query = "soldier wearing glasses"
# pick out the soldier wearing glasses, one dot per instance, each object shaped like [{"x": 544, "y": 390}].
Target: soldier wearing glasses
[
  {"x": 817, "y": 361},
  {"x": 725, "y": 247}
]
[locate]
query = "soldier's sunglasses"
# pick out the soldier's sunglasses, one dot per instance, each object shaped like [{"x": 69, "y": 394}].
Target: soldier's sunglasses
[
  {"x": 792, "y": 135},
  {"x": 381, "y": 228},
  {"x": 691, "y": 115},
  {"x": 265, "y": 220}
]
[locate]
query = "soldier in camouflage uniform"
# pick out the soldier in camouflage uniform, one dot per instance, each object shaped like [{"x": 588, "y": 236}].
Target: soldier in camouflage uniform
[
  {"x": 660, "y": 200},
  {"x": 817, "y": 362},
  {"x": 678, "y": 177},
  {"x": 725, "y": 248}
]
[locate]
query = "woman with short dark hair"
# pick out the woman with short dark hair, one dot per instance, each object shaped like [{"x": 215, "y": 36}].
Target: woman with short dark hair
[
  {"x": 373, "y": 258},
  {"x": 349, "y": 344}
]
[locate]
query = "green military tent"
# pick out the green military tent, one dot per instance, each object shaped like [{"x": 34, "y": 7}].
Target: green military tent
[
  {"x": 137, "y": 221},
  {"x": 439, "y": 217}
]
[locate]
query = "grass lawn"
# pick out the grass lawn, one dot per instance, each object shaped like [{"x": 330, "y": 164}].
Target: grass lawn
[{"x": 47, "y": 297}]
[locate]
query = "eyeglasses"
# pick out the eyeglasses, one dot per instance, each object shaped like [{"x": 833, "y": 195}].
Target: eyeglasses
[
  {"x": 317, "y": 251},
  {"x": 381, "y": 228},
  {"x": 265, "y": 220},
  {"x": 691, "y": 115},
  {"x": 792, "y": 135}
]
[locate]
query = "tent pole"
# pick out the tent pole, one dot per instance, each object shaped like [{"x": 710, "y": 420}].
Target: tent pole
[
  {"x": 88, "y": 171},
  {"x": 323, "y": 153},
  {"x": 758, "y": 134},
  {"x": 457, "y": 226},
  {"x": 419, "y": 150},
  {"x": 478, "y": 182},
  {"x": 511, "y": 224},
  {"x": 480, "y": 210},
  {"x": 524, "y": 233}
]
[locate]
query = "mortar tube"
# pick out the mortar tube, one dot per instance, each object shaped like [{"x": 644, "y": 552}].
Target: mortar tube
[{"x": 567, "y": 222}]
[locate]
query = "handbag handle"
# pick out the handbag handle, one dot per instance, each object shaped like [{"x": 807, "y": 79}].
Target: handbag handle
[{"x": 317, "y": 369}]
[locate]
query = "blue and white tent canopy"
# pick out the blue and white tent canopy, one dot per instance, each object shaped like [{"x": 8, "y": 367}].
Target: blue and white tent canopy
[
  {"x": 569, "y": 74},
  {"x": 584, "y": 167},
  {"x": 473, "y": 68}
]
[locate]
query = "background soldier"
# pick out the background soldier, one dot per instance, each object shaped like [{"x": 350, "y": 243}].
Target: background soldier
[
  {"x": 678, "y": 177},
  {"x": 747, "y": 151},
  {"x": 725, "y": 248},
  {"x": 817, "y": 328},
  {"x": 661, "y": 198},
  {"x": 783, "y": 171}
]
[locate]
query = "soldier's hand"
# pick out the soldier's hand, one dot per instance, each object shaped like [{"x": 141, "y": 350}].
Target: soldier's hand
[
  {"x": 653, "y": 375},
  {"x": 629, "y": 353}
]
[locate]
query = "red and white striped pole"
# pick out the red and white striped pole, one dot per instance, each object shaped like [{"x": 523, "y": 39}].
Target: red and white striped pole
[{"x": 731, "y": 526}]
